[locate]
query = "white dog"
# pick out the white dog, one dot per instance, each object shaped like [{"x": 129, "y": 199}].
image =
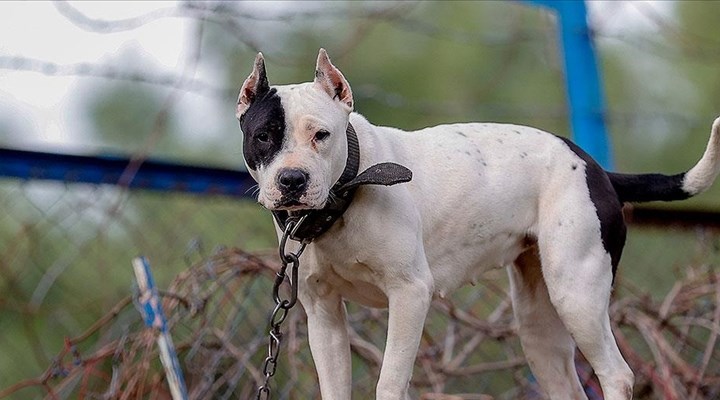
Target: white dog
[{"x": 482, "y": 196}]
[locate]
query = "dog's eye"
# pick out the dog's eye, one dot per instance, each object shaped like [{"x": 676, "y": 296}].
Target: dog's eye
[
  {"x": 263, "y": 137},
  {"x": 322, "y": 135}
]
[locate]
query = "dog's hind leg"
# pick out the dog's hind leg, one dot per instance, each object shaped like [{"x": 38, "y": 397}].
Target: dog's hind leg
[
  {"x": 548, "y": 347},
  {"x": 578, "y": 273}
]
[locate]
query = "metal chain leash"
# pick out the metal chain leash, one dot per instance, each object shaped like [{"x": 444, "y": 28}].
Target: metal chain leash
[{"x": 282, "y": 306}]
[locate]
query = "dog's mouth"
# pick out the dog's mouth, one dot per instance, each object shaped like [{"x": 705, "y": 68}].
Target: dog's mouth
[
  {"x": 308, "y": 200},
  {"x": 290, "y": 205},
  {"x": 293, "y": 205}
]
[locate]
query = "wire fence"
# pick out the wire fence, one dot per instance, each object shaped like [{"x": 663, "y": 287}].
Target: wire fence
[
  {"x": 69, "y": 328},
  {"x": 217, "y": 311},
  {"x": 66, "y": 273},
  {"x": 65, "y": 252}
]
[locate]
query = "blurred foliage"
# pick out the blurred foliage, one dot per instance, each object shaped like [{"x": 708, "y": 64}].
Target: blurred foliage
[
  {"x": 411, "y": 64},
  {"x": 662, "y": 92},
  {"x": 123, "y": 114},
  {"x": 67, "y": 251}
]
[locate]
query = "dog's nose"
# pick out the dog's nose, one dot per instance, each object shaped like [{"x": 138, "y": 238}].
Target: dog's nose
[{"x": 292, "y": 181}]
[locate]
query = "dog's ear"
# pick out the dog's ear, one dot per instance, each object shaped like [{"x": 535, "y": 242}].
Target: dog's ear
[
  {"x": 332, "y": 80},
  {"x": 254, "y": 86}
]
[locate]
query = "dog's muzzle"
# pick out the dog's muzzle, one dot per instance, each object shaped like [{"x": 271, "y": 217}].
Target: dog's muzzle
[{"x": 292, "y": 184}]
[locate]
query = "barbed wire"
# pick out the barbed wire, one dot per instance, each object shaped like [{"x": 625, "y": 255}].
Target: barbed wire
[
  {"x": 220, "y": 338},
  {"x": 395, "y": 14},
  {"x": 368, "y": 92},
  {"x": 217, "y": 306},
  {"x": 108, "y": 71}
]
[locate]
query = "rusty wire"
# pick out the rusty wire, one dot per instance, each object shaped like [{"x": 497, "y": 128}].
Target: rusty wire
[{"x": 469, "y": 345}]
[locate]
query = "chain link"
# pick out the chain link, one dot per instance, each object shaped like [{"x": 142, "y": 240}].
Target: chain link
[{"x": 282, "y": 306}]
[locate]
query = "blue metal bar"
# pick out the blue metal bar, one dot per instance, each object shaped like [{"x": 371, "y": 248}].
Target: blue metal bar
[
  {"x": 583, "y": 82},
  {"x": 152, "y": 174},
  {"x": 151, "y": 308}
]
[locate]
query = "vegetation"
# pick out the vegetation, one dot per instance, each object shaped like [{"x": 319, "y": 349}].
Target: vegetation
[{"x": 65, "y": 249}]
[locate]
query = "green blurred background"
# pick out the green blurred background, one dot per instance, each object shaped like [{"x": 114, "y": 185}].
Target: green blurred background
[{"x": 65, "y": 249}]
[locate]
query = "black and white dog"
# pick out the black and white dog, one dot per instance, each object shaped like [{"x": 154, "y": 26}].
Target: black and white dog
[{"x": 482, "y": 196}]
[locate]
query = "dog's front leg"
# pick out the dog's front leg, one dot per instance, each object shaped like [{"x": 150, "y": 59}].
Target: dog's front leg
[
  {"x": 329, "y": 342},
  {"x": 408, "y": 306}
]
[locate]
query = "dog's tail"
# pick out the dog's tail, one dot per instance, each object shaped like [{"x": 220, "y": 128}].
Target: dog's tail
[{"x": 652, "y": 187}]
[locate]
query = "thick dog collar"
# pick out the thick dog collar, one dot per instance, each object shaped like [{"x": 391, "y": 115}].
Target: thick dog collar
[{"x": 313, "y": 223}]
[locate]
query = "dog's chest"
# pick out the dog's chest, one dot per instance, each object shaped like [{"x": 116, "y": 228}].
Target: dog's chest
[{"x": 351, "y": 278}]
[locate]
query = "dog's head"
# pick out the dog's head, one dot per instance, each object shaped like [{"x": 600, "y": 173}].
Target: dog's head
[{"x": 294, "y": 140}]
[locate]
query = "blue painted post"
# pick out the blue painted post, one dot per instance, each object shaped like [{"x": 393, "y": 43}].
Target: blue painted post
[
  {"x": 583, "y": 83},
  {"x": 155, "y": 318}
]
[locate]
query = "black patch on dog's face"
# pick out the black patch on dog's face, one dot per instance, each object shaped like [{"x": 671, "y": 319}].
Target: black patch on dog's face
[
  {"x": 607, "y": 206},
  {"x": 263, "y": 126}
]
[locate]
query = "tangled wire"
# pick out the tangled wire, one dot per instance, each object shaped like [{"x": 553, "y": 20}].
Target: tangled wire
[{"x": 217, "y": 312}]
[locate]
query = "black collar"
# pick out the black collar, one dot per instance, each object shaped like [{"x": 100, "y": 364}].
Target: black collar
[{"x": 316, "y": 222}]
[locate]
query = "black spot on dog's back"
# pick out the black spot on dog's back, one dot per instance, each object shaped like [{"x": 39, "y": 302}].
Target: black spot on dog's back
[
  {"x": 263, "y": 127},
  {"x": 607, "y": 205}
]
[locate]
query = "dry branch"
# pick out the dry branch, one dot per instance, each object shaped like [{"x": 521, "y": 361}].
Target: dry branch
[{"x": 217, "y": 320}]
